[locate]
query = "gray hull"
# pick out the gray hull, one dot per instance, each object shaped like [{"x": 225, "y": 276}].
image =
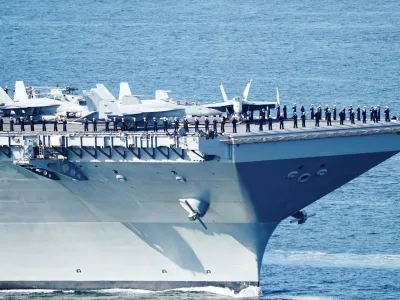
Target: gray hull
[{"x": 133, "y": 233}]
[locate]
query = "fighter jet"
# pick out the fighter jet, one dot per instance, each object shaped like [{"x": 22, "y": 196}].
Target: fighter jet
[
  {"x": 239, "y": 105},
  {"x": 39, "y": 108},
  {"x": 129, "y": 105}
]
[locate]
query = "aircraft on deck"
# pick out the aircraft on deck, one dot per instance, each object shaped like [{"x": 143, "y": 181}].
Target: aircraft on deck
[
  {"x": 241, "y": 105},
  {"x": 237, "y": 105},
  {"x": 129, "y": 105},
  {"x": 66, "y": 93},
  {"x": 50, "y": 109}
]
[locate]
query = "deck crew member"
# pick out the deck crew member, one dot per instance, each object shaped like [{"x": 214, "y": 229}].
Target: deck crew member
[
  {"x": 352, "y": 117},
  {"x": 329, "y": 118},
  {"x": 358, "y": 113},
  {"x": 326, "y": 111},
  {"x": 215, "y": 122},
  {"x": 223, "y": 121},
  {"x": 107, "y": 125},
  {"x": 262, "y": 116},
  {"x": 334, "y": 112},
  {"x": 247, "y": 124},
  {"x": 22, "y": 121},
  {"x": 294, "y": 119},
  {"x": 281, "y": 118},
  {"x": 378, "y": 113},
  {"x": 32, "y": 123},
  {"x": 196, "y": 124},
  {"x": 351, "y": 114},
  {"x": 206, "y": 124},
  {"x": 186, "y": 124},
  {"x": 312, "y": 112},
  {"x": 165, "y": 123},
  {"x": 269, "y": 122},
  {"x": 43, "y": 124},
  {"x": 267, "y": 113},
  {"x": 124, "y": 127},
  {"x": 261, "y": 123},
  {"x": 94, "y": 125},
  {"x": 86, "y": 125},
  {"x": 155, "y": 125},
  {"x": 364, "y": 115},
  {"x": 302, "y": 109},
  {"x": 284, "y": 112},
  {"x": 134, "y": 124},
  {"x": 371, "y": 113},
  {"x": 234, "y": 124},
  {"x": 115, "y": 124},
  {"x": 278, "y": 111},
  {"x": 176, "y": 124},
  {"x": 145, "y": 124},
  {"x": 303, "y": 119},
  {"x": 344, "y": 113},
  {"x": 374, "y": 114},
  {"x": 341, "y": 116},
  {"x": 64, "y": 124},
  {"x": 55, "y": 126},
  {"x": 386, "y": 112},
  {"x": 11, "y": 124},
  {"x": 6, "y": 89},
  {"x": 1, "y": 123},
  {"x": 294, "y": 107},
  {"x": 317, "y": 117}
]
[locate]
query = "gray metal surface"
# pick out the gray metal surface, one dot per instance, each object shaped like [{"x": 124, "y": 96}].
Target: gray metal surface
[{"x": 124, "y": 225}]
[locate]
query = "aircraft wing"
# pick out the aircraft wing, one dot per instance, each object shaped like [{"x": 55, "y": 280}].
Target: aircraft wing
[
  {"x": 221, "y": 106},
  {"x": 259, "y": 104}
]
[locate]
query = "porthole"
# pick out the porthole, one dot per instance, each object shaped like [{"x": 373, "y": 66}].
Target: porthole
[
  {"x": 322, "y": 172},
  {"x": 303, "y": 178},
  {"x": 300, "y": 167},
  {"x": 292, "y": 175}
]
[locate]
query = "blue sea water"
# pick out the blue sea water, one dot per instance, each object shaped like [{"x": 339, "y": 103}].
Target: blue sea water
[{"x": 328, "y": 52}]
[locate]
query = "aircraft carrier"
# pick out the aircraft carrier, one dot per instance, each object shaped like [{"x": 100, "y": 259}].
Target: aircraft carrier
[{"x": 152, "y": 211}]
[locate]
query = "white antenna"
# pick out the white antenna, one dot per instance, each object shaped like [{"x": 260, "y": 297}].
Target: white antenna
[
  {"x": 277, "y": 97},
  {"x": 223, "y": 93},
  {"x": 247, "y": 90}
]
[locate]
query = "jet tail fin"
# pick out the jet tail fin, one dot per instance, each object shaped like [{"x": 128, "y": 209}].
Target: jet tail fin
[
  {"x": 162, "y": 95},
  {"x": 124, "y": 90},
  {"x": 223, "y": 93},
  {"x": 20, "y": 92},
  {"x": 247, "y": 90},
  {"x": 104, "y": 101},
  {"x": 4, "y": 98}
]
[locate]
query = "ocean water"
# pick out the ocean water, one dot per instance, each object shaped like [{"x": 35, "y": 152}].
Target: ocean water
[{"x": 329, "y": 52}]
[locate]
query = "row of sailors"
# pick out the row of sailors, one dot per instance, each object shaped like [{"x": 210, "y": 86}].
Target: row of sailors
[
  {"x": 262, "y": 120},
  {"x": 32, "y": 124},
  {"x": 375, "y": 112}
]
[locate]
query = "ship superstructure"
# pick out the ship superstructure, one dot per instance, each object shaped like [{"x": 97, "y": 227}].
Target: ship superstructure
[{"x": 155, "y": 211}]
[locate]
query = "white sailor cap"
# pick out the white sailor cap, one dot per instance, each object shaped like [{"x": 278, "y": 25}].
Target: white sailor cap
[
  {"x": 154, "y": 118},
  {"x": 334, "y": 105},
  {"x": 358, "y": 105}
]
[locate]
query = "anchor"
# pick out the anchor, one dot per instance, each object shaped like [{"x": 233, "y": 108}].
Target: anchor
[
  {"x": 301, "y": 217},
  {"x": 196, "y": 208}
]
